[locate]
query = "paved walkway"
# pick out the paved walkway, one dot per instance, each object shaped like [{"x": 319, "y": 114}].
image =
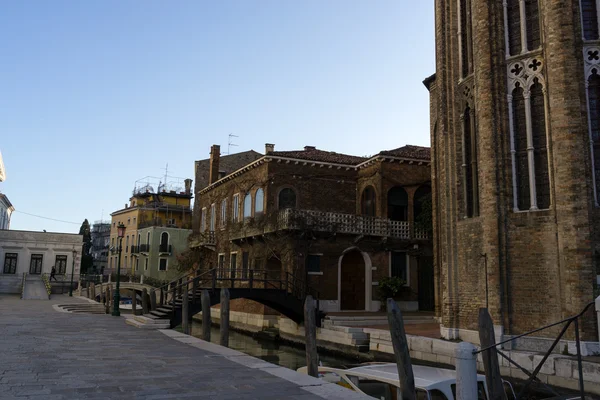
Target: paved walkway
[{"x": 46, "y": 354}]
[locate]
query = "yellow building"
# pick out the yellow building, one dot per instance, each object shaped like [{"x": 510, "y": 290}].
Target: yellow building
[{"x": 147, "y": 208}]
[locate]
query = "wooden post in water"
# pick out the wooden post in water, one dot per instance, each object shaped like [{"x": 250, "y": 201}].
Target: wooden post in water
[
  {"x": 224, "y": 327},
  {"x": 403, "y": 362},
  {"x": 152, "y": 300},
  {"x": 491, "y": 367},
  {"x": 206, "y": 315},
  {"x": 310, "y": 327},
  {"x": 144, "y": 301},
  {"x": 134, "y": 303},
  {"x": 185, "y": 320}
]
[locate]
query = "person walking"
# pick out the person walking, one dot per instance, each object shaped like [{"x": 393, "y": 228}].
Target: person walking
[{"x": 52, "y": 273}]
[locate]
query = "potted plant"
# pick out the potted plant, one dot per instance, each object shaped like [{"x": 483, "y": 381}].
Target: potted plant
[{"x": 390, "y": 287}]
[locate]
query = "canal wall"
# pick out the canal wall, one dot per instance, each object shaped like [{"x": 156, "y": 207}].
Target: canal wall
[{"x": 366, "y": 344}]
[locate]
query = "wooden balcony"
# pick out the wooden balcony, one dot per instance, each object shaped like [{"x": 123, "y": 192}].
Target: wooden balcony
[
  {"x": 292, "y": 219},
  {"x": 206, "y": 238}
]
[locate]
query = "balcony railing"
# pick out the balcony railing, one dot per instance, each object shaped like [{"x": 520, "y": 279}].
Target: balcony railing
[
  {"x": 165, "y": 248},
  {"x": 292, "y": 219},
  {"x": 144, "y": 248}
]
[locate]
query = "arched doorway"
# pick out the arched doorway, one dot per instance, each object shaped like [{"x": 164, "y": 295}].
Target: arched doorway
[{"x": 352, "y": 281}]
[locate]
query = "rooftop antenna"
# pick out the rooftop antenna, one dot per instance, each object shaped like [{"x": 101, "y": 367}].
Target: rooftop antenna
[
  {"x": 230, "y": 143},
  {"x": 166, "y": 173}
]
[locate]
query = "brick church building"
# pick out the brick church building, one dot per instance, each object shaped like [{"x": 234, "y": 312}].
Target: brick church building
[{"x": 515, "y": 134}]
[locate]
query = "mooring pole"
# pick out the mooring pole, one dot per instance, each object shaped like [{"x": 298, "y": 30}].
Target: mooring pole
[
  {"x": 206, "y": 315},
  {"x": 224, "y": 324},
  {"x": 403, "y": 362},
  {"x": 310, "y": 327}
]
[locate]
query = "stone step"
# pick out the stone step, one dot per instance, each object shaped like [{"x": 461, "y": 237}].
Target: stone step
[
  {"x": 147, "y": 320},
  {"x": 142, "y": 325}
]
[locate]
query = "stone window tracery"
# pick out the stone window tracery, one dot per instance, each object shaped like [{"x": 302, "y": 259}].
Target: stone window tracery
[
  {"x": 469, "y": 163},
  {"x": 592, "y": 83},
  {"x": 528, "y": 136},
  {"x": 589, "y": 19}
]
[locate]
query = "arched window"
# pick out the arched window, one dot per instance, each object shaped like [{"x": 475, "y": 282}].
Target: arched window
[
  {"x": 514, "y": 27},
  {"x": 466, "y": 41},
  {"x": 126, "y": 244},
  {"x": 540, "y": 146},
  {"x": 259, "y": 201},
  {"x": 520, "y": 141},
  {"x": 589, "y": 19},
  {"x": 533, "y": 24},
  {"x": 164, "y": 242},
  {"x": 367, "y": 202},
  {"x": 247, "y": 206},
  {"x": 398, "y": 204},
  {"x": 594, "y": 116},
  {"x": 287, "y": 198},
  {"x": 148, "y": 239},
  {"x": 421, "y": 197},
  {"x": 469, "y": 156}
]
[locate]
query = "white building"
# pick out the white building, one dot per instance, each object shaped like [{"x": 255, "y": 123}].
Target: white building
[
  {"x": 6, "y": 209},
  {"x": 35, "y": 253}
]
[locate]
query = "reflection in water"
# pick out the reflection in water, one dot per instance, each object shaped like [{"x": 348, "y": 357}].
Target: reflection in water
[{"x": 270, "y": 351}]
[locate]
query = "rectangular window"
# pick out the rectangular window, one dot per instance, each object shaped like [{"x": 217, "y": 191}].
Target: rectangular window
[
  {"x": 223, "y": 213},
  {"x": 61, "y": 265},
  {"x": 399, "y": 266},
  {"x": 235, "y": 213},
  {"x": 137, "y": 264},
  {"x": 203, "y": 220},
  {"x": 213, "y": 217},
  {"x": 233, "y": 264},
  {"x": 162, "y": 266},
  {"x": 146, "y": 264},
  {"x": 10, "y": 263},
  {"x": 245, "y": 265},
  {"x": 35, "y": 266},
  {"x": 313, "y": 263},
  {"x": 221, "y": 266}
]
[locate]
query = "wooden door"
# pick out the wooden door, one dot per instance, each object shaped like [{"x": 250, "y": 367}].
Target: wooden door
[{"x": 352, "y": 282}]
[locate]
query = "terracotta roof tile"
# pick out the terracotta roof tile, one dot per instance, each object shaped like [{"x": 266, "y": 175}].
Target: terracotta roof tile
[
  {"x": 313, "y": 154},
  {"x": 409, "y": 151}
]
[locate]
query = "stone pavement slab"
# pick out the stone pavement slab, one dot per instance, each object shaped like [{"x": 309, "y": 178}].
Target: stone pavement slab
[{"x": 45, "y": 354}]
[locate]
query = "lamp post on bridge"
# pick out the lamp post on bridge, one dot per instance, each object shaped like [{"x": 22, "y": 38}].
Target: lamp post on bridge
[
  {"x": 117, "y": 297},
  {"x": 72, "y": 272}
]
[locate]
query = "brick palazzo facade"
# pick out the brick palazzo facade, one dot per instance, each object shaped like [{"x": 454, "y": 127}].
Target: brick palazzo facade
[
  {"x": 339, "y": 222},
  {"x": 515, "y": 131}
]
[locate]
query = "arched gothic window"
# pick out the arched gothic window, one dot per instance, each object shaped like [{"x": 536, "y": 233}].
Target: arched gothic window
[
  {"x": 538, "y": 125},
  {"x": 522, "y": 19},
  {"x": 594, "y": 116},
  {"x": 466, "y": 37},
  {"x": 367, "y": 202},
  {"x": 259, "y": 201},
  {"x": 287, "y": 198},
  {"x": 398, "y": 204},
  {"x": 521, "y": 172},
  {"x": 247, "y": 206},
  {"x": 422, "y": 195},
  {"x": 589, "y": 19},
  {"x": 469, "y": 157},
  {"x": 514, "y": 26}
]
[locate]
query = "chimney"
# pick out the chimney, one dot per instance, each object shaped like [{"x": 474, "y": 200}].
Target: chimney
[
  {"x": 269, "y": 148},
  {"x": 213, "y": 174},
  {"x": 307, "y": 148},
  {"x": 188, "y": 186}
]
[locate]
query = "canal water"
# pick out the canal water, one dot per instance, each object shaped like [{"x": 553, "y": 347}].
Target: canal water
[{"x": 269, "y": 350}]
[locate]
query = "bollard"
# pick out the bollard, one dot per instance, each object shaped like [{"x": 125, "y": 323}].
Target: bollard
[
  {"x": 185, "y": 321},
  {"x": 206, "y": 315},
  {"x": 152, "y": 300},
  {"x": 310, "y": 327},
  {"x": 466, "y": 371},
  {"x": 145, "y": 301},
  {"x": 224, "y": 327}
]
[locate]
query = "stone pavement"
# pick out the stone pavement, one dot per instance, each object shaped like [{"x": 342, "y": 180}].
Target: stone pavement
[{"x": 46, "y": 354}]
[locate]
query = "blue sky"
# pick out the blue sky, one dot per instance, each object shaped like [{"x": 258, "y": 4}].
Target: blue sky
[{"x": 98, "y": 94}]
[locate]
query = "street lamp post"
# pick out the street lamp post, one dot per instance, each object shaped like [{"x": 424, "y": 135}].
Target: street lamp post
[
  {"x": 72, "y": 272},
  {"x": 117, "y": 298}
]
